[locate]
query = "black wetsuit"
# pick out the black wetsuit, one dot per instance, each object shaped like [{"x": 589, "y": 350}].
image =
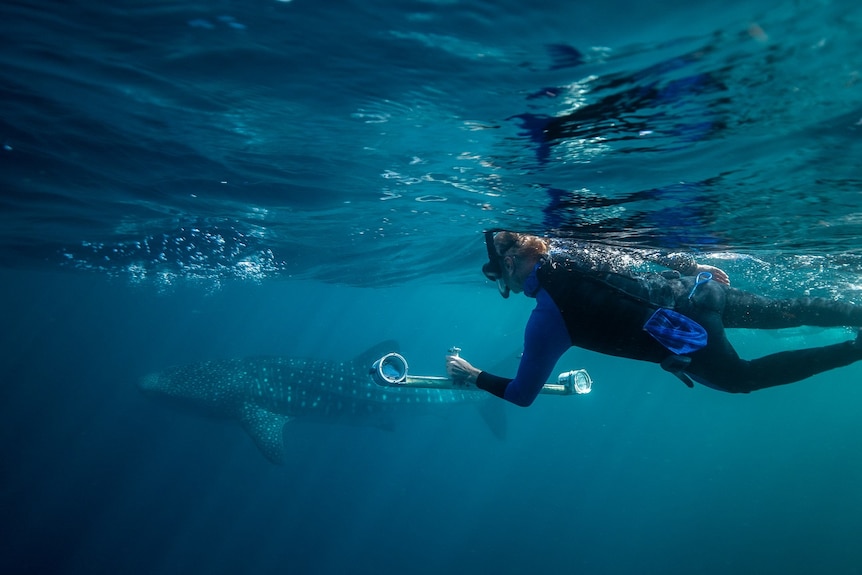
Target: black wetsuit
[{"x": 605, "y": 311}]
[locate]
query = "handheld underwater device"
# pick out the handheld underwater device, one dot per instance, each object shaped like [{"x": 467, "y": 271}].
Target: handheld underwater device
[{"x": 391, "y": 370}]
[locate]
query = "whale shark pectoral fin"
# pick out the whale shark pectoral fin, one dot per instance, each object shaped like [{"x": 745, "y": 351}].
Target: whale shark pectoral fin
[{"x": 266, "y": 429}]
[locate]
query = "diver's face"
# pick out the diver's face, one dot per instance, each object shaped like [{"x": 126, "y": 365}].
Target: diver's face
[
  {"x": 511, "y": 274},
  {"x": 504, "y": 274}
]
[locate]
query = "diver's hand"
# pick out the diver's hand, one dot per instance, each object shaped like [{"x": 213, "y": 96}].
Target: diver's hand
[
  {"x": 718, "y": 274},
  {"x": 460, "y": 370}
]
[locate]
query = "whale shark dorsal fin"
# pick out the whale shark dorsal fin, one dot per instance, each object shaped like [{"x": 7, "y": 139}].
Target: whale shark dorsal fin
[
  {"x": 375, "y": 352},
  {"x": 266, "y": 429}
]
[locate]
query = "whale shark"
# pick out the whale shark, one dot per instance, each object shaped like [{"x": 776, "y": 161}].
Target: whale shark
[{"x": 264, "y": 393}]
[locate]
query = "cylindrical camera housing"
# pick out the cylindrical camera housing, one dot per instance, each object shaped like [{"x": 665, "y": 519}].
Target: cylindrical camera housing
[
  {"x": 577, "y": 380},
  {"x": 391, "y": 369}
]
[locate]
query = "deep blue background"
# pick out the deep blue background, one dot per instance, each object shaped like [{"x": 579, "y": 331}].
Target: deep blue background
[
  {"x": 187, "y": 181},
  {"x": 642, "y": 475}
]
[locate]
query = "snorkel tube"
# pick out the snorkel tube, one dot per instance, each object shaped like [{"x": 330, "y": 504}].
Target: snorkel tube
[{"x": 493, "y": 270}]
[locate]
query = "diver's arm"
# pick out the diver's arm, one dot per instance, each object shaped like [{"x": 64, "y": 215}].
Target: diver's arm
[
  {"x": 686, "y": 265},
  {"x": 682, "y": 262},
  {"x": 718, "y": 274},
  {"x": 461, "y": 371},
  {"x": 546, "y": 339}
]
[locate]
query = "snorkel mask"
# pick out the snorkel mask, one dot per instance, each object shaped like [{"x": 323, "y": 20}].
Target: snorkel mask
[{"x": 493, "y": 270}]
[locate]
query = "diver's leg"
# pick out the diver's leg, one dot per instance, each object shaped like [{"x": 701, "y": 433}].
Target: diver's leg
[
  {"x": 792, "y": 366},
  {"x": 719, "y": 366},
  {"x": 748, "y": 310}
]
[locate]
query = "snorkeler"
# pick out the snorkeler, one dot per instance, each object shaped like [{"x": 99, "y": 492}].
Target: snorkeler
[{"x": 588, "y": 296}]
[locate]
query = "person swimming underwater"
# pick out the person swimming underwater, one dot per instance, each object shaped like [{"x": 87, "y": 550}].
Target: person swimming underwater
[{"x": 588, "y": 296}]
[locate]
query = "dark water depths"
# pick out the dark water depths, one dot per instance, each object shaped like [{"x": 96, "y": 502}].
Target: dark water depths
[{"x": 182, "y": 182}]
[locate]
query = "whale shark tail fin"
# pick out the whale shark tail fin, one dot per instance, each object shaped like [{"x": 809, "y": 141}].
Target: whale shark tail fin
[
  {"x": 493, "y": 413},
  {"x": 266, "y": 429}
]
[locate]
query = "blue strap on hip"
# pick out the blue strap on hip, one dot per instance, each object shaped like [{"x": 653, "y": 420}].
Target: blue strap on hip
[{"x": 701, "y": 279}]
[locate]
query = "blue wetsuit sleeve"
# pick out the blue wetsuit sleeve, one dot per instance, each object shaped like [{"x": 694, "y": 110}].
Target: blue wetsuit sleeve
[{"x": 546, "y": 339}]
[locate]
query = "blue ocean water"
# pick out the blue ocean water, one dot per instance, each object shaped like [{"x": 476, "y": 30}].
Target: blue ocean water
[{"x": 183, "y": 182}]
